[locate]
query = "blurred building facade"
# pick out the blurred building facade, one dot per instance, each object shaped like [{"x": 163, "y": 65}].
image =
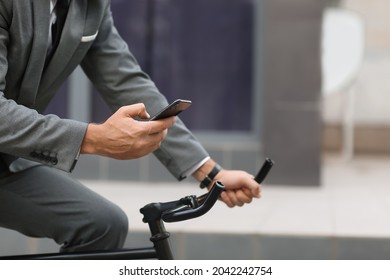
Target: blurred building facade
[{"x": 371, "y": 116}]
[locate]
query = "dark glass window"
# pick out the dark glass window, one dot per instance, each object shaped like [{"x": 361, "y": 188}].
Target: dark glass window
[{"x": 198, "y": 50}]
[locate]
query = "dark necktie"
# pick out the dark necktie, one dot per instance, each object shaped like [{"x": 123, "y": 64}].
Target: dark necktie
[
  {"x": 56, "y": 29},
  {"x": 61, "y": 10}
]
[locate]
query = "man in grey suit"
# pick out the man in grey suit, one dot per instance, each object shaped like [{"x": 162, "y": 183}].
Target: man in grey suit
[{"x": 36, "y": 197}]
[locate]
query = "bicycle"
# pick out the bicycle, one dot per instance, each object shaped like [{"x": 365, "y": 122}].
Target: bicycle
[{"x": 154, "y": 214}]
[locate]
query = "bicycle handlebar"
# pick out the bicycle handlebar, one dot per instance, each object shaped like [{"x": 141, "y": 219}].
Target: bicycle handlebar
[
  {"x": 205, "y": 202},
  {"x": 188, "y": 207}
]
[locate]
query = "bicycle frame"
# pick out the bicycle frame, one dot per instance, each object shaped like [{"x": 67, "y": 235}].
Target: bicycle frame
[{"x": 155, "y": 214}]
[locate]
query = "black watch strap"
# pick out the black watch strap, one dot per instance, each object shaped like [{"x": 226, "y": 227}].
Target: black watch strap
[{"x": 210, "y": 177}]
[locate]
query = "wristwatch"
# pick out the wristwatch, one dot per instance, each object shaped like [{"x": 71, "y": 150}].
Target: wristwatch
[{"x": 210, "y": 177}]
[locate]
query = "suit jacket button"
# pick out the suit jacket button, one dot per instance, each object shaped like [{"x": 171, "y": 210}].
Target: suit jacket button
[{"x": 54, "y": 161}]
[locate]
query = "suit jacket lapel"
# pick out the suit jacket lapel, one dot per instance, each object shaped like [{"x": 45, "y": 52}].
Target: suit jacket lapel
[
  {"x": 32, "y": 77},
  {"x": 70, "y": 40}
]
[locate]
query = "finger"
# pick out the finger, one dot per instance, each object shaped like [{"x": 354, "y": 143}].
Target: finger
[
  {"x": 234, "y": 199},
  {"x": 160, "y": 125},
  {"x": 226, "y": 199},
  {"x": 247, "y": 191},
  {"x": 253, "y": 187},
  {"x": 252, "y": 192},
  {"x": 243, "y": 197},
  {"x": 134, "y": 110},
  {"x": 156, "y": 139},
  {"x": 256, "y": 191}
]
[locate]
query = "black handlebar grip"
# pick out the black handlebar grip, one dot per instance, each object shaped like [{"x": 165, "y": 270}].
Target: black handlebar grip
[
  {"x": 208, "y": 203},
  {"x": 268, "y": 163}
]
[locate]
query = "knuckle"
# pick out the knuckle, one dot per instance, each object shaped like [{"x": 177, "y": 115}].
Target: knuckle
[{"x": 120, "y": 109}]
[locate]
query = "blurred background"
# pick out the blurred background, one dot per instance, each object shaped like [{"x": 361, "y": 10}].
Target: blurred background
[{"x": 302, "y": 82}]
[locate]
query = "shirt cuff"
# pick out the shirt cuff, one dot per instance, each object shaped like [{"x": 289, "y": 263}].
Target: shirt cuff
[
  {"x": 75, "y": 160},
  {"x": 195, "y": 167}
]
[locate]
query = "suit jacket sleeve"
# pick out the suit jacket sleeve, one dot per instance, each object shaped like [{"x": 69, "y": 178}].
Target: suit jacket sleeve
[
  {"x": 118, "y": 77},
  {"x": 23, "y": 131}
]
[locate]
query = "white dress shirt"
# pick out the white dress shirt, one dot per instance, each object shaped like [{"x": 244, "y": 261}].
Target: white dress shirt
[{"x": 53, "y": 19}]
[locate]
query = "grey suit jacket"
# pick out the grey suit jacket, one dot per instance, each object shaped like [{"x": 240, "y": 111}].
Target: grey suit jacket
[{"x": 89, "y": 39}]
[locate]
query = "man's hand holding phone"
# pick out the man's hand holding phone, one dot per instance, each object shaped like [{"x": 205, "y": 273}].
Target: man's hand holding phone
[{"x": 123, "y": 137}]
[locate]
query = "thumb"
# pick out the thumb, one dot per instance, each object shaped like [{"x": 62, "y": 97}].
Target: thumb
[
  {"x": 252, "y": 192},
  {"x": 135, "y": 110},
  {"x": 256, "y": 192}
]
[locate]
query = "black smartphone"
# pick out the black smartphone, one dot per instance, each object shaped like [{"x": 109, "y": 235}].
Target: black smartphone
[
  {"x": 173, "y": 109},
  {"x": 267, "y": 165}
]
